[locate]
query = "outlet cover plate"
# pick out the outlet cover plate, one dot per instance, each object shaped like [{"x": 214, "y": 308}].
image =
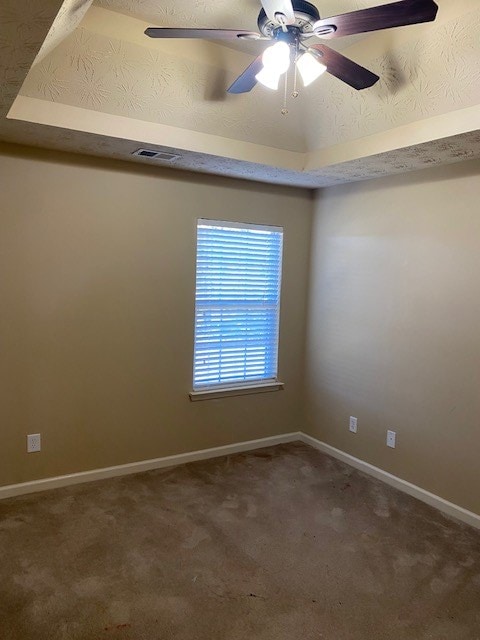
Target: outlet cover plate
[
  {"x": 34, "y": 443},
  {"x": 353, "y": 424},
  {"x": 391, "y": 439}
]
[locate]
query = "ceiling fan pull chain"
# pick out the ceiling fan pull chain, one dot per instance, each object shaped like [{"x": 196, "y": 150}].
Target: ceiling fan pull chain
[
  {"x": 295, "y": 75},
  {"x": 284, "y": 111}
]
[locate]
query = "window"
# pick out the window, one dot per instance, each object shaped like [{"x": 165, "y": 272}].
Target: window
[{"x": 237, "y": 305}]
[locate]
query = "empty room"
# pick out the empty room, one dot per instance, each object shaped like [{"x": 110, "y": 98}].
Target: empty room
[{"x": 240, "y": 320}]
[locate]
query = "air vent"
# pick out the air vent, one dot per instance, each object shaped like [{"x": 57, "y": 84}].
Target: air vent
[{"x": 155, "y": 155}]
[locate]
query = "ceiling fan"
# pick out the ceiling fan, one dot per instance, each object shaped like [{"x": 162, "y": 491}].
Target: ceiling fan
[{"x": 290, "y": 23}]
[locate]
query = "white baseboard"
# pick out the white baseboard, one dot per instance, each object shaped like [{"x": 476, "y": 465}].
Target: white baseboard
[
  {"x": 35, "y": 486},
  {"x": 433, "y": 500}
]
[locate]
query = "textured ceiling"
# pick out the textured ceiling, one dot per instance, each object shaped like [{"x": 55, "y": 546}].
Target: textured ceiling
[
  {"x": 197, "y": 13},
  {"x": 111, "y": 90},
  {"x": 67, "y": 20}
]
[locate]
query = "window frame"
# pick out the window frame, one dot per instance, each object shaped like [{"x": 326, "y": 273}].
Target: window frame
[{"x": 240, "y": 387}]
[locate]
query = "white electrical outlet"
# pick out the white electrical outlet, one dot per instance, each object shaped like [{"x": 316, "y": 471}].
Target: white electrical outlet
[
  {"x": 34, "y": 443},
  {"x": 391, "y": 439},
  {"x": 353, "y": 424}
]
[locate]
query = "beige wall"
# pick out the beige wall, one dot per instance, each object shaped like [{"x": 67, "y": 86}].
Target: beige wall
[
  {"x": 97, "y": 272},
  {"x": 97, "y": 264},
  {"x": 394, "y": 326}
]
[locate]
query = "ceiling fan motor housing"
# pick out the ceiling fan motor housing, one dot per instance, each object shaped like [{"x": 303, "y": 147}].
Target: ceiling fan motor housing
[{"x": 306, "y": 15}]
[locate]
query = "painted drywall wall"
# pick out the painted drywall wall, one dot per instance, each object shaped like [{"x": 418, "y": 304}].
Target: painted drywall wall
[
  {"x": 394, "y": 326},
  {"x": 97, "y": 263}
]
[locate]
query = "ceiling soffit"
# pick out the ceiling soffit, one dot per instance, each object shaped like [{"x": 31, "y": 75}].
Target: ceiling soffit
[{"x": 24, "y": 25}]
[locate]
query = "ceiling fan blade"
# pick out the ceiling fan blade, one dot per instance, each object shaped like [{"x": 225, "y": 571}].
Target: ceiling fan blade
[
  {"x": 285, "y": 7},
  {"x": 206, "y": 34},
  {"x": 397, "y": 14},
  {"x": 345, "y": 69},
  {"x": 247, "y": 80}
]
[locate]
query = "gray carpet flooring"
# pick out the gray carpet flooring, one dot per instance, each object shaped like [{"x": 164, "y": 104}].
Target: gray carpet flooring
[{"x": 283, "y": 543}]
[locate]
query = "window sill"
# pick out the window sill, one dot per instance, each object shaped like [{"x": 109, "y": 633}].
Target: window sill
[{"x": 212, "y": 394}]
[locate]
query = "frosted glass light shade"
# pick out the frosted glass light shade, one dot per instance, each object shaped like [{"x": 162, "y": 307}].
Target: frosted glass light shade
[
  {"x": 277, "y": 58},
  {"x": 310, "y": 68},
  {"x": 269, "y": 79}
]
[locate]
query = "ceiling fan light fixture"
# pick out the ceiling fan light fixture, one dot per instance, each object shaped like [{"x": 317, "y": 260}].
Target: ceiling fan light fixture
[
  {"x": 289, "y": 22},
  {"x": 269, "y": 78},
  {"x": 310, "y": 68}
]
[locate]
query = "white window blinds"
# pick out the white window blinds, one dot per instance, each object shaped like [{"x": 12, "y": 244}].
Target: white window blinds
[{"x": 237, "y": 303}]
